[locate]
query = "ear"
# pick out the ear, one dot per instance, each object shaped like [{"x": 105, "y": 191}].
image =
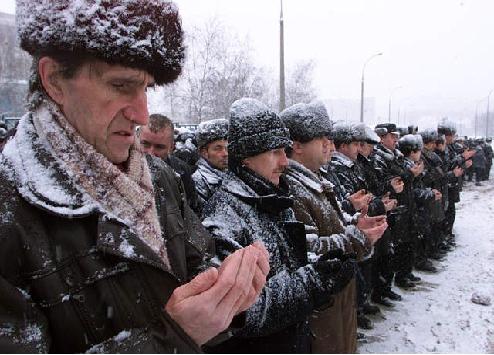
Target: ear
[
  {"x": 204, "y": 152},
  {"x": 297, "y": 147},
  {"x": 49, "y": 73},
  {"x": 246, "y": 162}
]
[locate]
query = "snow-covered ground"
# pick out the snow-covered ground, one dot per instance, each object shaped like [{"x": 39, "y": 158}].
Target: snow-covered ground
[{"x": 439, "y": 316}]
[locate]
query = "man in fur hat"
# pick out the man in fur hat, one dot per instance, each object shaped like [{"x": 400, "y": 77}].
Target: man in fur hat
[
  {"x": 91, "y": 257},
  {"x": 211, "y": 137},
  {"x": 334, "y": 329},
  {"x": 254, "y": 203}
]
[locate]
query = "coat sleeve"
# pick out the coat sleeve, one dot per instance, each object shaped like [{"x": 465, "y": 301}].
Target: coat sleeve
[{"x": 288, "y": 296}]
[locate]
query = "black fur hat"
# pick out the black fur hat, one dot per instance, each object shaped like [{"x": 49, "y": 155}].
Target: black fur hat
[
  {"x": 307, "y": 121},
  {"x": 384, "y": 128},
  {"x": 345, "y": 133},
  {"x": 142, "y": 34},
  {"x": 254, "y": 129},
  {"x": 409, "y": 143},
  {"x": 210, "y": 131}
]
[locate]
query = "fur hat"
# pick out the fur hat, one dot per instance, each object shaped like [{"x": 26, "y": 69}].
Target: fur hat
[
  {"x": 429, "y": 135},
  {"x": 254, "y": 129},
  {"x": 447, "y": 128},
  {"x": 143, "y": 34},
  {"x": 307, "y": 121},
  {"x": 366, "y": 134},
  {"x": 384, "y": 128},
  {"x": 345, "y": 133},
  {"x": 409, "y": 143},
  {"x": 210, "y": 131}
]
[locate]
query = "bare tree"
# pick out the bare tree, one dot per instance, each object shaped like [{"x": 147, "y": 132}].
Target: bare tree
[{"x": 299, "y": 86}]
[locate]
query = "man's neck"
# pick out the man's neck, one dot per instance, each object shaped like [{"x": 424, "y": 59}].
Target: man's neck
[{"x": 301, "y": 161}]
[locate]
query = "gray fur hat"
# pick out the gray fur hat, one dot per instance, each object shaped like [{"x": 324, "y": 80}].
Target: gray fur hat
[
  {"x": 307, "y": 121},
  {"x": 142, "y": 34},
  {"x": 345, "y": 133},
  {"x": 210, "y": 131},
  {"x": 409, "y": 143},
  {"x": 254, "y": 129},
  {"x": 429, "y": 135},
  {"x": 366, "y": 134}
]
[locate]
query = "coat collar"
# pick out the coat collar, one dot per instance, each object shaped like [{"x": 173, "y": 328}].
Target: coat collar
[
  {"x": 309, "y": 179},
  {"x": 342, "y": 159}
]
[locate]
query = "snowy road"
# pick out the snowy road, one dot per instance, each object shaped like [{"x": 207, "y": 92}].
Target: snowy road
[{"x": 439, "y": 316}]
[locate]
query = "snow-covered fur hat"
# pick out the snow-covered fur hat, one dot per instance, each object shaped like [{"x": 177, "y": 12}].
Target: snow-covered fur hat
[
  {"x": 366, "y": 134},
  {"x": 384, "y": 128},
  {"x": 210, "y": 131},
  {"x": 429, "y": 135},
  {"x": 409, "y": 143},
  {"x": 307, "y": 121},
  {"x": 345, "y": 133},
  {"x": 254, "y": 129},
  {"x": 447, "y": 128},
  {"x": 143, "y": 34}
]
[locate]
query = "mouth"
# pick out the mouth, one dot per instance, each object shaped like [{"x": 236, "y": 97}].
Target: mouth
[{"x": 125, "y": 136}]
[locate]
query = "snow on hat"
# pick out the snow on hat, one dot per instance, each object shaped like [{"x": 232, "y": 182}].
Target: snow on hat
[
  {"x": 143, "y": 34},
  {"x": 210, "y": 131},
  {"x": 446, "y": 127},
  {"x": 345, "y": 133},
  {"x": 254, "y": 129},
  {"x": 429, "y": 135},
  {"x": 384, "y": 128},
  {"x": 408, "y": 143},
  {"x": 366, "y": 134},
  {"x": 307, "y": 121}
]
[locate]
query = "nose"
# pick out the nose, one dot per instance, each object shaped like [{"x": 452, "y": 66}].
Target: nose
[
  {"x": 137, "y": 110},
  {"x": 283, "y": 160}
]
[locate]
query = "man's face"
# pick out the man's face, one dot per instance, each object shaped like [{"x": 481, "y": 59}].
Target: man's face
[
  {"x": 159, "y": 144},
  {"x": 389, "y": 140},
  {"x": 105, "y": 103},
  {"x": 216, "y": 153},
  {"x": 350, "y": 150},
  {"x": 415, "y": 155},
  {"x": 365, "y": 149},
  {"x": 270, "y": 165},
  {"x": 314, "y": 153},
  {"x": 441, "y": 147},
  {"x": 449, "y": 138}
]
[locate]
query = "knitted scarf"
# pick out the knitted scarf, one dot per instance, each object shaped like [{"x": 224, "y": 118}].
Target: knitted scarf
[{"x": 128, "y": 196}]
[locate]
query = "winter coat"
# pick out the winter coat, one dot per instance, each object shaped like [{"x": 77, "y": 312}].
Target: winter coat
[
  {"x": 207, "y": 179},
  {"x": 315, "y": 205},
  {"x": 85, "y": 282},
  {"x": 435, "y": 177},
  {"x": 352, "y": 177},
  {"x": 247, "y": 208},
  {"x": 339, "y": 190},
  {"x": 334, "y": 329},
  {"x": 479, "y": 160},
  {"x": 185, "y": 172}
]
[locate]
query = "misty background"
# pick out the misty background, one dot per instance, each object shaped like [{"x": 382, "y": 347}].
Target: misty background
[{"x": 437, "y": 59}]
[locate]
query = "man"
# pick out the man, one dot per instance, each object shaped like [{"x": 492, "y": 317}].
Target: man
[
  {"x": 211, "y": 137},
  {"x": 89, "y": 261},
  {"x": 253, "y": 203},
  {"x": 455, "y": 157},
  {"x": 334, "y": 329},
  {"x": 489, "y": 154},
  {"x": 344, "y": 161},
  {"x": 156, "y": 138}
]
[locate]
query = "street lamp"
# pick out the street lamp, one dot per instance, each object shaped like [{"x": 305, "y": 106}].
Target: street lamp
[
  {"x": 389, "y": 103},
  {"x": 362, "y": 87},
  {"x": 477, "y": 115},
  {"x": 487, "y": 115}
]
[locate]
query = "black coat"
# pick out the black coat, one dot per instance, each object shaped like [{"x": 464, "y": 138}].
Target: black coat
[{"x": 86, "y": 282}]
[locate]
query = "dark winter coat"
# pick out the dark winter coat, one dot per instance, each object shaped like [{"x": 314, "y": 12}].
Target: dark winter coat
[
  {"x": 334, "y": 329},
  {"x": 479, "y": 160},
  {"x": 88, "y": 283},
  {"x": 352, "y": 177},
  {"x": 185, "y": 171},
  {"x": 247, "y": 208},
  {"x": 339, "y": 190},
  {"x": 207, "y": 179},
  {"x": 435, "y": 177}
]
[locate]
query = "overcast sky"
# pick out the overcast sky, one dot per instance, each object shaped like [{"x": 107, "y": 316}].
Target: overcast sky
[{"x": 440, "y": 51}]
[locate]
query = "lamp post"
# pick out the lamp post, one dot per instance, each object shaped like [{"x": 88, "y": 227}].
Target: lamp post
[
  {"x": 282, "y": 60},
  {"x": 362, "y": 86},
  {"x": 389, "y": 103},
  {"x": 487, "y": 115}
]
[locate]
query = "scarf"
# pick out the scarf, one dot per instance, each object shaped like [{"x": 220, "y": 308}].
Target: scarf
[{"x": 71, "y": 164}]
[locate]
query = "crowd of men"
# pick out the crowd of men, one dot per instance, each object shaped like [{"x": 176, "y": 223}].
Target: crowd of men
[{"x": 263, "y": 232}]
